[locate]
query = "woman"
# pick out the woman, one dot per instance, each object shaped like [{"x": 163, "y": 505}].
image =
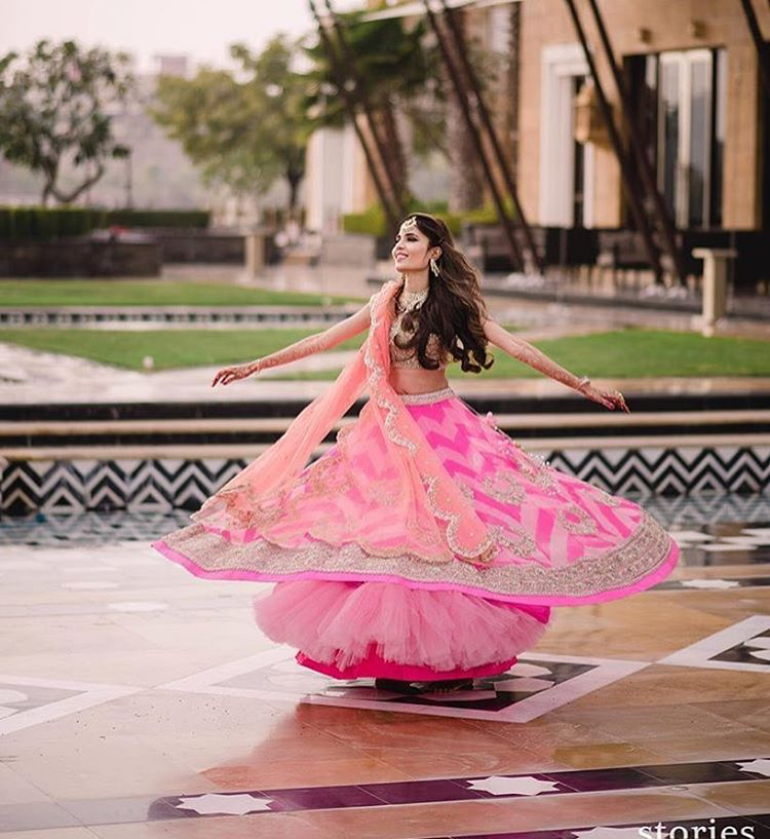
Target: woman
[{"x": 424, "y": 548}]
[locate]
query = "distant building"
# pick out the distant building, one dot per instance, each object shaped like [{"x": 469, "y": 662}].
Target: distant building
[
  {"x": 172, "y": 65},
  {"x": 158, "y": 174},
  {"x": 334, "y": 174},
  {"x": 693, "y": 75}
]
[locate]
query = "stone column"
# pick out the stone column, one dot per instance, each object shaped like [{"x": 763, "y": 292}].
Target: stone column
[
  {"x": 715, "y": 262},
  {"x": 255, "y": 254}
]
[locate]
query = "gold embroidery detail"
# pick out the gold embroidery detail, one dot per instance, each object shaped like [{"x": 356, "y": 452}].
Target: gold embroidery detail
[
  {"x": 467, "y": 491},
  {"x": 400, "y": 357},
  {"x": 584, "y": 526},
  {"x": 537, "y": 472},
  {"x": 606, "y": 498},
  {"x": 645, "y": 550},
  {"x": 521, "y": 543},
  {"x": 511, "y": 491},
  {"x": 427, "y": 398},
  {"x": 487, "y": 546}
]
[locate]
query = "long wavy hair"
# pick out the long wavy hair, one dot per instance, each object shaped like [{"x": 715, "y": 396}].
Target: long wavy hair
[{"x": 454, "y": 308}]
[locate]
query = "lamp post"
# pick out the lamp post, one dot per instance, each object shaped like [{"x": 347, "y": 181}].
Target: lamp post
[{"x": 129, "y": 183}]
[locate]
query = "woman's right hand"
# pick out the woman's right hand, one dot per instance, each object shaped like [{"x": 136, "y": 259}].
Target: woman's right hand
[{"x": 232, "y": 374}]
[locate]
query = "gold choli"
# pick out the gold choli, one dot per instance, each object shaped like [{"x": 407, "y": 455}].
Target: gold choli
[{"x": 408, "y": 358}]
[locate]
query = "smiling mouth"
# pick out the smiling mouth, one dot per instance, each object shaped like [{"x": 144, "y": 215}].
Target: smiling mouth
[{"x": 400, "y": 256}]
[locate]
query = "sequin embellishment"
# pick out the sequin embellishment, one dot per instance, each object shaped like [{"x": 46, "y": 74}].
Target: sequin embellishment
[
  {"x": 427, "y": 398},
  {"x": 504, "y": 487},
  {"x": 584, "y": 526},
  {"x": 645, "y": 550}
]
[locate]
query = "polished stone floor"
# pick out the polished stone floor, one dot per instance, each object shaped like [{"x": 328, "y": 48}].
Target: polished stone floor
[{"x": 138, "y": 701}]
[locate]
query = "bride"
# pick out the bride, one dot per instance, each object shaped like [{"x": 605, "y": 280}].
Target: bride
[{"x": 424, "y": 548}]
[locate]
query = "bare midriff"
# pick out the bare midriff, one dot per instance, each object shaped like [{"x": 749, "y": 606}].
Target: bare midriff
[{"x": 412, "y": 380}]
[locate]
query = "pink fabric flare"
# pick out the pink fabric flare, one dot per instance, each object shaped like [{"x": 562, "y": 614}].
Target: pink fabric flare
[{"x": 424, "y": 542}]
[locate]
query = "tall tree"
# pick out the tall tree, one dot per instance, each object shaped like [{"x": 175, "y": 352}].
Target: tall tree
[
  {"x": 403, "y": 73},
  {"x": 466, "y": 177},
  {"x": 243, "y": 132},
  {"x": 54, "y": 106},
  {"x": 398, "y": 73}
]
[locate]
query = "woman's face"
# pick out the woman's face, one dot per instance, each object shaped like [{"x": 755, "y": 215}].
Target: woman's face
[{"x": 412, "y": 251}]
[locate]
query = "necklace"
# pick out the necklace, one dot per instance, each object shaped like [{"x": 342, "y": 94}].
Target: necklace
[{"x": 408, "y": 301}]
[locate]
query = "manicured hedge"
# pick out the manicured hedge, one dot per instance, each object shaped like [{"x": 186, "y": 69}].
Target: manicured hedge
[
  {"x": 198, "y": 219},
  {"x": 38, "y": 223},
  {"x": 372, "y": 220}
]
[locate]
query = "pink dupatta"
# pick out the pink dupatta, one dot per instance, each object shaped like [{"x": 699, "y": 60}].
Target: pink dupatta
[{"x": 439, "y": 521}]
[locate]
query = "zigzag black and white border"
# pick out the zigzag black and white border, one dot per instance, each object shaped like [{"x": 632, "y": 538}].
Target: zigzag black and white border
[
  {"x": 165, "y": 484},
  {"x": 665, "y": 471}
]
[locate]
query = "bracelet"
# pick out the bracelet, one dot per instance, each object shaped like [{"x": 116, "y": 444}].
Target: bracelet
[{"x": 583, "y": 383}]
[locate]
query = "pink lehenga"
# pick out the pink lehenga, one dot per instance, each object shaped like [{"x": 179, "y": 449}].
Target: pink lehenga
[{"x": 424, "y": 544}]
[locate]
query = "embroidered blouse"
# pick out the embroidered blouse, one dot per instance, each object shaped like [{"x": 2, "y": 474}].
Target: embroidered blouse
[{"x": 408, "y": 358}]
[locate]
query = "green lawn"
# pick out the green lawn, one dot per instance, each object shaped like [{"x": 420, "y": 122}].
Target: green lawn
[
  {"x": 170, "y": 348},
  {"x": 150, "y": 293},
  {"x": 628, "y": 353}
]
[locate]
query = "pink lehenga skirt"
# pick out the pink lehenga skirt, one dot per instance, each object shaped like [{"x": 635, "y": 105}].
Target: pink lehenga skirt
[{"x": 353, "y": 612}]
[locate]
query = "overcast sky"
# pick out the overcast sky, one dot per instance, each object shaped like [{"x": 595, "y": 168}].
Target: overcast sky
[{"x": 202, "y": 30}]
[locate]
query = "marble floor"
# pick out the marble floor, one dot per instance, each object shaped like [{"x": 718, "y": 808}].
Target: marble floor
[{"x": 138, "y": 701}]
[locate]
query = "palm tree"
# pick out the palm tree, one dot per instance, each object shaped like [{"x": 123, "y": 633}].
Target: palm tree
[
  {"x": 399, "y": 75},
  {"x": 405, "y": 80}
]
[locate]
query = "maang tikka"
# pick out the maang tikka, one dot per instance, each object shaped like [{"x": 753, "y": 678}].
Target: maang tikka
[{"x": 410, "y": 224}]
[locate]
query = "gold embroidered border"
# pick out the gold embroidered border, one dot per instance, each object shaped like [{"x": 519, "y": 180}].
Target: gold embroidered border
[
  {"x": 427, "y": 398},
  {"x": 636, "y": 558}
]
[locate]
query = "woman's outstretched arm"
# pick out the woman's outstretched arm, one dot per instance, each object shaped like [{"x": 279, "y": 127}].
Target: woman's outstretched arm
[
  {"x": 528, "y": 354},
  {"x": 325, "y": 340}
]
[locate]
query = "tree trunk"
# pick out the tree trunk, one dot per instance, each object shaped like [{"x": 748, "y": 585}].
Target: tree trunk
[
  {"x": 466, "y": 185},
  {"x": 294, "y": 179},
  {"x": 68, "y": 198},
  {"x": 466, "y": 180},
  {"x": 49, "y": 170},
  {"x": 394, "y": 148}
]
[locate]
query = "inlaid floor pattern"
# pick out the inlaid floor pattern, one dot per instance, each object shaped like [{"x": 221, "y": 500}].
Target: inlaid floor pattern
[{"x": 137, "y": 701}]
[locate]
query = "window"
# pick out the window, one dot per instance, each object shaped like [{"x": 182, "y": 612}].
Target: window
[{"x": 685, "y": 129}]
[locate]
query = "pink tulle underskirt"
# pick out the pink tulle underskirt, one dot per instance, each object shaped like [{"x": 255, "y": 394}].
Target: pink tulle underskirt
[{"x": 352, "y": 630}]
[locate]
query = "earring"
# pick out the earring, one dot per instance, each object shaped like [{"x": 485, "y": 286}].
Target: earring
[{"x": 434, "y": 268}]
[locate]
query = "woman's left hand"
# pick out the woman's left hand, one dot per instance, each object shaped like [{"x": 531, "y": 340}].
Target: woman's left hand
[{"x": 611, "y": 399}]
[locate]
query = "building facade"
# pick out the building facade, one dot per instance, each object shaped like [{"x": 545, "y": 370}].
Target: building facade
[
  {"x": 696, "y": 103},
  {"x": 693, "y": 74}
]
